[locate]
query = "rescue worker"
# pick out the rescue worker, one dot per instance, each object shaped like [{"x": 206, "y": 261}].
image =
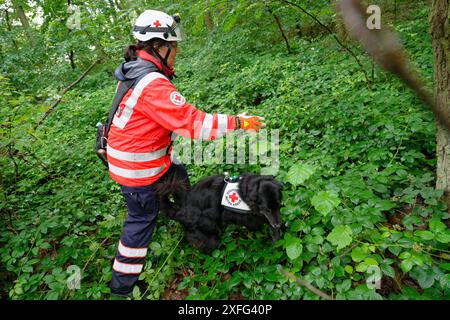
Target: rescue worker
[{"x": 141, "y": 133}]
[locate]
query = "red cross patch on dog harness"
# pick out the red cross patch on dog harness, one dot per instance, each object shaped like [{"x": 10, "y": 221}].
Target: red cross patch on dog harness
[{"x": 231, "y": 198}]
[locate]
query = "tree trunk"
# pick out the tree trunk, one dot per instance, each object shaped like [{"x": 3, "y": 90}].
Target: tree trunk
[
  {"x": 72, "y": 59},
  {"x": 71, "y": 53},
  {"x": 340, "y": 29},
  {"x": 440, "y": 34},
  {"x": 209, "y": 20},
  {"x": 23, "y": 20},
  {"x": 21, "y": 14},
  {"x": 8, "y": 26},
  {"x": 395, "y": 11}
]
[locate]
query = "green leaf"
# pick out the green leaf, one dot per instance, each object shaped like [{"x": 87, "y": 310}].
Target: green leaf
[
  {"x": 425, "y": 234},
  {"x": 443, "y": 237},
  {"x": 273, "y": 276},
  {"x": 52, "y": 295},
  {"x": 436, "y": 226},
  {"x": 340, "y": 236},
  {"x": 200, "y": 18},
  {"x": 325, "y": 201},
  {"x": 45, "y": 245},
  {"x": 445, "y": 266},
  {"x": 137, "y": 293},
  {"x": 27, "y": 269},
  {"x": 406, "y": 265},
  {"x": 371, "y": 262},
  {"x": 234, "y": 281},
  {"x": 395, "y": 249},
  {"x": 230, "y": 22},
  {"x": 19, "y": 290},
  {"x": 156, "y": 248},
  {"x": 344, "y": 286},
  {"x": 294, "y": 248},
  {"x": 418, "y": 259},
  {"x": 361, "y": 267},
  {"x": 405, "y": 255},
  {"x": 215, "y": 253},
  {"x": 299, "y": 173},
  {"x": 388, "y": 270},
  {"x": 296, "y": 226},
  {"x": 358, "y": 254},
  {"x": 349, "y": 269},
  {"x": 424, "y": 276},
  {"x": 385, "y": 205}
]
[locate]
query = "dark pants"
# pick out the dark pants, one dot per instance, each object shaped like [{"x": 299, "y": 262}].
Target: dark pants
[{"x": 143, "y": 207}]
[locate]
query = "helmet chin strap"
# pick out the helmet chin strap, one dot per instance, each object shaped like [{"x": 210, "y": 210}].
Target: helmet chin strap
[
  {"x": 164, "y": 60},
  {"x": 169, "y": 49}
]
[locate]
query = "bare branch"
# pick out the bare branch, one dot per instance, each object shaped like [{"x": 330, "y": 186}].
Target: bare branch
[
  {"x": 385, "y": 49},
  {"x": 277, "y": 20},
  {"x": 363, "y": 70},
  {"x": 55, "y": 104},
  {"x": 306, "y": 284}
]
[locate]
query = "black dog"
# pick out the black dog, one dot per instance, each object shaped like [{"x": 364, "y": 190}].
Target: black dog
[{"x": 202, "y": 216}]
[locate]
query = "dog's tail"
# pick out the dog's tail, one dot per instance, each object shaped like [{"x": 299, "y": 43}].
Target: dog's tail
[
  {"x": 172, "y": 190},
  {"x": 172, "y": 196},
  {"x": 167, "y": 188}
]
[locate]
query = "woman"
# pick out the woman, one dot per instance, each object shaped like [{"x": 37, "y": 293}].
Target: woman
[{"x": 141, "y": 134}]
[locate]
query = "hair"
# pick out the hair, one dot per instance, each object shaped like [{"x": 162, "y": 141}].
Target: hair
[{"x": 151, "y": 46}]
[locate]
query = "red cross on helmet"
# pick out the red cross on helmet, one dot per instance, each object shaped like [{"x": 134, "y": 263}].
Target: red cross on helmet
[{"x": 157, "y": 24}]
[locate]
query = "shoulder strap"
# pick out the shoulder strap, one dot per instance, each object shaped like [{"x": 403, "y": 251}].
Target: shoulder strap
[{"x": 122, "y": 90}]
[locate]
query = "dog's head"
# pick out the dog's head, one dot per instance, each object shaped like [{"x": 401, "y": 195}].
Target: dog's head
[{"x": 263, "y": 195}]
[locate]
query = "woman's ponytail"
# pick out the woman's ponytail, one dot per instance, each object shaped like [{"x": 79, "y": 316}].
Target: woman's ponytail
[
  {"x": 130, "y": 52},
  {"x": 150, "y": 47}
]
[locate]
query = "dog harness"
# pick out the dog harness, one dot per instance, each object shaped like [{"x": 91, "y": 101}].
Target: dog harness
[{"x": 231, "y": 197}]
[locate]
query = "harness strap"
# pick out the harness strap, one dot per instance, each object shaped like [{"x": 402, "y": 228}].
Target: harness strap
[{"x": 232, "y": 198}]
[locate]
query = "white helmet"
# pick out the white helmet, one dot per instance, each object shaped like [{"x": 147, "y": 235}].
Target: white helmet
[{"x": 157, "y": 24}]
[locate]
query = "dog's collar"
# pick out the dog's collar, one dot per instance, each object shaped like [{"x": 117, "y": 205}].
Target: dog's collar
[{"x": 231, "y": 197}]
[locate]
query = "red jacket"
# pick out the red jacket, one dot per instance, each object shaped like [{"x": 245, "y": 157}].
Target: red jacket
[{"x": 140, "y": 134}]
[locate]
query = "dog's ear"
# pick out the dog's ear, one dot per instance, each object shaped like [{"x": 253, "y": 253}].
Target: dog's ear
[
  {"x": 253, "y": 185},
  {"x": 249, "y": 187},
  {"x": 270, "y": 201}
]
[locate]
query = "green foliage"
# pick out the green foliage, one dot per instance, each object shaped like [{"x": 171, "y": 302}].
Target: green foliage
[
  {"x": 299, "y": 173},
  {"x": 325, "y": 201},
  {"x": 294, "y": 247},
  {"x": 357, "y": 165},
  {"x": 340, "y": 236}
]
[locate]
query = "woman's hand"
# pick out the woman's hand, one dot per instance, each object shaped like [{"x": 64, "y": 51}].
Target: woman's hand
[{"x": 249, "y": 122}]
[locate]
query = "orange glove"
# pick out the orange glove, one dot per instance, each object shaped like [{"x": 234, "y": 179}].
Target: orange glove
[{"x": 247, "y": 122}]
